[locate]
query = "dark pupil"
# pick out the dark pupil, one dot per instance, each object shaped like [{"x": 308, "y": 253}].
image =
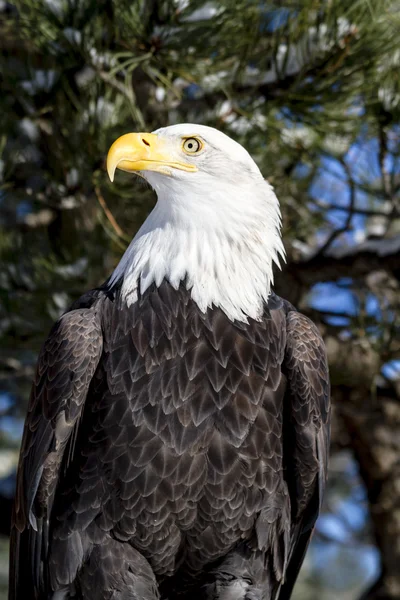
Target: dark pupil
[{"x": 190, "y": 145}]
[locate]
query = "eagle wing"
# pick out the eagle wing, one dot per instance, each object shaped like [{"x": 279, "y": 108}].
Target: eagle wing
[
  {"x": 65, "y": 368},
  {"x": 307, "y": 431}
]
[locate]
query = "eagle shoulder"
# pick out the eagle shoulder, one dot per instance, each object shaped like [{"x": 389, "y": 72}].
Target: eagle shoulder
[
  {"x": 306, "y": 434},
  {"x": 66, "y": 364}
]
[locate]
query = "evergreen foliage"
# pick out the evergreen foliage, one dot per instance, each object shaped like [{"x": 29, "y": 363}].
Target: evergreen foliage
[{"x": 310, "y": 88}]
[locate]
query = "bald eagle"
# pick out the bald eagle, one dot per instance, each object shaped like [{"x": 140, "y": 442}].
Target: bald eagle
[{"x": 177, "y": 433}]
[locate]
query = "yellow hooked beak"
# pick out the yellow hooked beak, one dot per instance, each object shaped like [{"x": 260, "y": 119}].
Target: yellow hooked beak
[{"x": 143, "y": 152}]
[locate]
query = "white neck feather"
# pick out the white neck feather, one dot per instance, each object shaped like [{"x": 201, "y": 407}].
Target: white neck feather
[{"x": 223, "y": 245}]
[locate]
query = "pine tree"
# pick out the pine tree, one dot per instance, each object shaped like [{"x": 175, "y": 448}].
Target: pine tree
[{"x": 310, "y": 88}]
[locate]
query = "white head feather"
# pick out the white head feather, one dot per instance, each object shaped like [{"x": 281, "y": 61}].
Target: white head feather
[{"x": 217, "y": 229}]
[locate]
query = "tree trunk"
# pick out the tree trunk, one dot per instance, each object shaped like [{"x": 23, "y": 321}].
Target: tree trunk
[{"x": 373, "y": 423}]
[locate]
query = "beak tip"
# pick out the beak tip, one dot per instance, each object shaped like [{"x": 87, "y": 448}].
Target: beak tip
[{"x": 111, "y": 172}]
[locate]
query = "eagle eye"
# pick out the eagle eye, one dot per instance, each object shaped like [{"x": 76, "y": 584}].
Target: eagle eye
[{"x": 192, "y": 145}]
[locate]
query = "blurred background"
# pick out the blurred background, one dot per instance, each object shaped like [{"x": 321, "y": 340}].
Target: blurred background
[{"x": 312, "y": 89}]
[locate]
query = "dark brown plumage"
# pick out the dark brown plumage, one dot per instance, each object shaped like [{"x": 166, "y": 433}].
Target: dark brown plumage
[{"x": 167, "y": 451}]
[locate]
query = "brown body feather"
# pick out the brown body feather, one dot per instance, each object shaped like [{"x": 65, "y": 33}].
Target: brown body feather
[{"x": 169, "y": 453}]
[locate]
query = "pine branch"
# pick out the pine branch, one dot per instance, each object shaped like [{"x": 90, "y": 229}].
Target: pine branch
[{"x": 350, "y": 213}]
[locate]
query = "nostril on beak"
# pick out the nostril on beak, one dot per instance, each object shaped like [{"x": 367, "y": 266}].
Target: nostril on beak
[{"x": 145, "y": 142}]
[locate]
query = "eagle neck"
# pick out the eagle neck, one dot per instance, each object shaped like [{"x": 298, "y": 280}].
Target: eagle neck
[{"x": 222, "y": 247}]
